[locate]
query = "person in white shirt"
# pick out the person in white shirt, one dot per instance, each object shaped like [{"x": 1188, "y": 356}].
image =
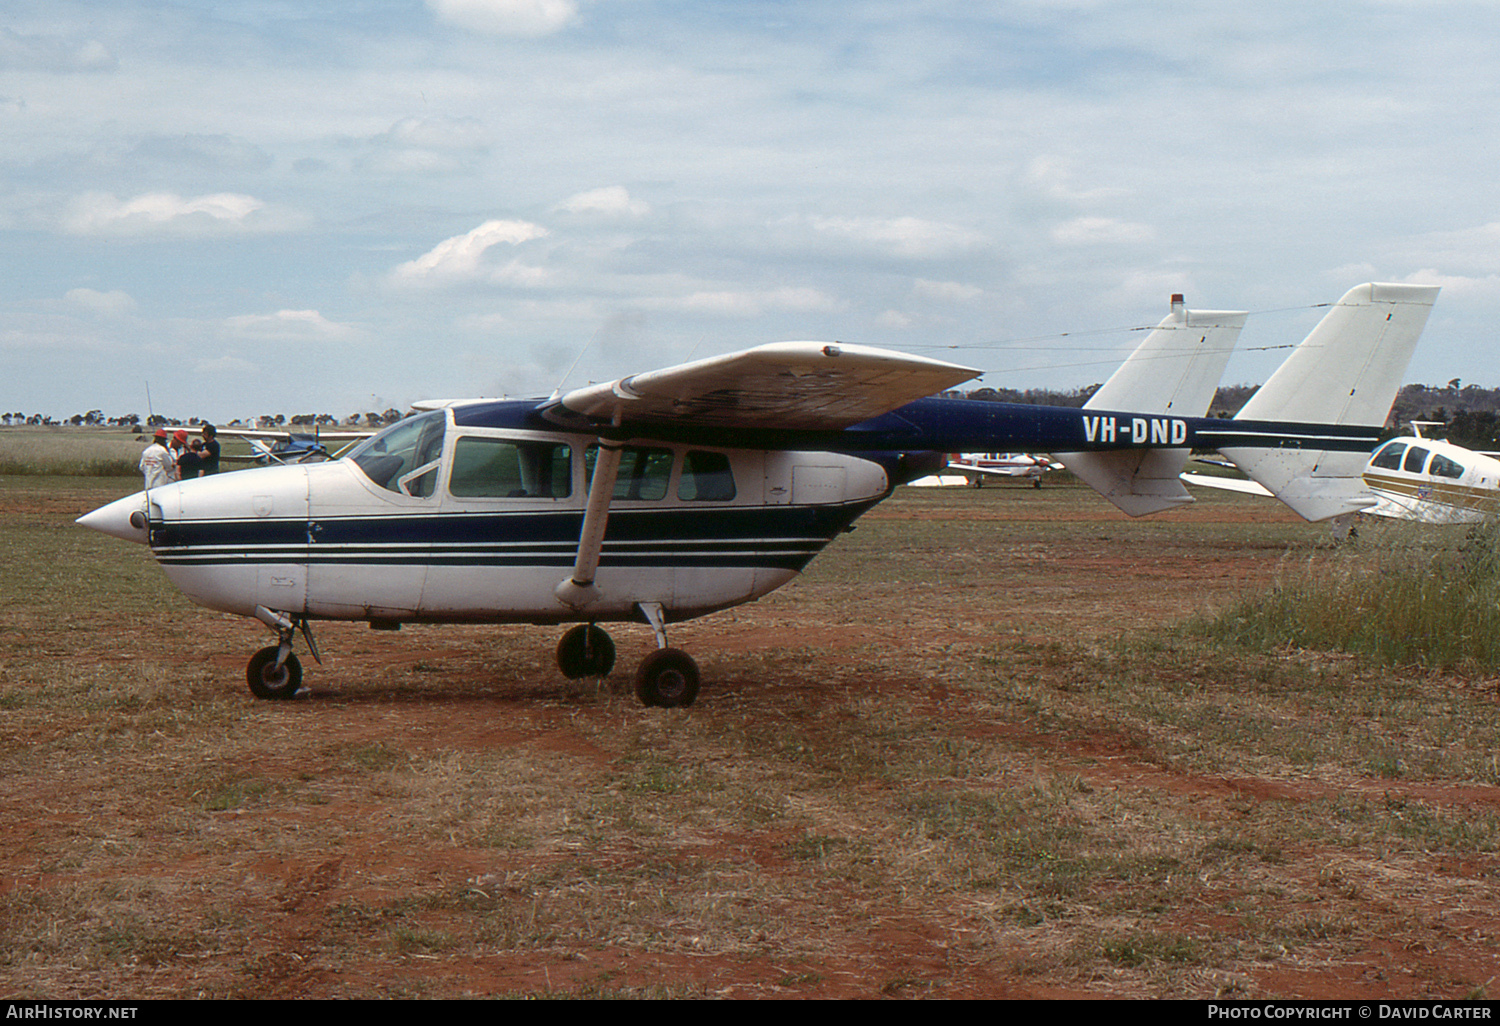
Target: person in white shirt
[{"x": 158, "y": 465}]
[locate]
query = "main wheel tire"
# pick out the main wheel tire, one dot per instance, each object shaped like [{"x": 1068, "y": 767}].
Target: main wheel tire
[
  {"x": 667, "y": 678},
  {"x": 586, "y": 651},
  {"x": 270, "y": 683}
]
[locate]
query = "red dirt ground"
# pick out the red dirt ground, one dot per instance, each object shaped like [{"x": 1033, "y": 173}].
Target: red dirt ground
[{"x": 1437, "y": 913}]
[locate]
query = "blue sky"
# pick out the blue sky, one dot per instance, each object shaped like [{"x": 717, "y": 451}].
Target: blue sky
[{"x": 310, "y": 207}]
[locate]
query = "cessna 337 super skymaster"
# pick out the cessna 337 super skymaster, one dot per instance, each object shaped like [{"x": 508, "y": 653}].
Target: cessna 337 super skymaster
[{"x": 664, "y": 496}]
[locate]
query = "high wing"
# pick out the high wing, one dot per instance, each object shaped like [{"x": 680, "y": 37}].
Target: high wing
[{"x": 786, "y": 385}]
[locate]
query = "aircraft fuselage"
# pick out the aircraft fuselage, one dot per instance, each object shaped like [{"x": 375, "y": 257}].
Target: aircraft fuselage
[
  {"x": 492, "y": 531},
  {"x": 473, "y": 513}
]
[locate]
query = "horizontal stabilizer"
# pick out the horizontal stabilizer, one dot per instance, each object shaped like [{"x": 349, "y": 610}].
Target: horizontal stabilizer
[
  {"x": 1346, "y": 372},
  {"x": 1138, "y": 481},
  {"x": 1176, "y": 371}
]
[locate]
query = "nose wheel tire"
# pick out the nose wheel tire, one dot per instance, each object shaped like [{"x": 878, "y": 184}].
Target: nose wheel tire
[
  {"x": 266, "y": 681},
  {"x": 667, "y": 678}
]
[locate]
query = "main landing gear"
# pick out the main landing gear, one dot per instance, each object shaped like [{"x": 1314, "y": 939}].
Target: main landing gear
[{"x": 667, "y": 678}]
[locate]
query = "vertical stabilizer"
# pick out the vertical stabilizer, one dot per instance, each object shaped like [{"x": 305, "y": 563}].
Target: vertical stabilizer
[
  {"x": 1346, "y": 372},
  {"x": 1175, "y": 371}
]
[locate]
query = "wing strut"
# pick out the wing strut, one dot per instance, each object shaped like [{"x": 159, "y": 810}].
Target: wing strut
[{"x": 579, "y": 590}]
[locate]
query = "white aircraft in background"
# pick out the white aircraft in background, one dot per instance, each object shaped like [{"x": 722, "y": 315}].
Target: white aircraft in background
[
  {"x": 1435, "y": 482},
  {"x": 1413, "y": 478},
  {"x": 664, "y": 496},
  {"x": 277, "y": 446},
  {"x": 973, "y": 467}
]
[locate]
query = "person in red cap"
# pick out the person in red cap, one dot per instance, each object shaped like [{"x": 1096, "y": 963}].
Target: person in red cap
[
  {"x": 157, "y": 463},
  {"x": 189, "y": 459},
  {"x": 178, "y": 447}
]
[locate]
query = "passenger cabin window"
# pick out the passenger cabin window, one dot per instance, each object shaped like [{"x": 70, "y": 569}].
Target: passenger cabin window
[
  {"x": 1389, "y": 458},
  {"x": 494, "y": 468},
  {"x": 706, "y": 477},
  {"x": 404, "y": 457},
  {"x": 1415, "y": 457},
  {"x": 1442, "y": 466},
  {"x": 644, "y": 473}
]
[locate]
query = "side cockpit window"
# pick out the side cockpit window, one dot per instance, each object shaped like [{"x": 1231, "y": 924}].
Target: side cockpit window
[
  {"x": 1442, "y": 466},
  {"x": 404, "y": 457},
  {"x": 706, "y": 477},
  {"x": 1389, "y": 458},
  {"x": 1415, "y": 457},
  {"x": 495, "y": 468},
  {"x": 644, "y": 473}
]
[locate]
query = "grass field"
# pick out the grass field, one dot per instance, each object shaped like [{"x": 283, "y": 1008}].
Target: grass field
[{"x": 993, "y": 744}]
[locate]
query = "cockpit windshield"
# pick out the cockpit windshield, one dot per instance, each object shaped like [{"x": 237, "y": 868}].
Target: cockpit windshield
[{"x": 404, "y": 457}]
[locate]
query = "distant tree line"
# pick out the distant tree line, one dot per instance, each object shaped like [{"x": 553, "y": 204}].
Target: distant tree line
[
  {"x": 1469, "y": 415},
  {"x": 133, "y": 421}
]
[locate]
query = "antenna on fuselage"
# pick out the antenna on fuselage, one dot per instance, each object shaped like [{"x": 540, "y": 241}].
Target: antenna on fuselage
[{"x": 557, "y": 392}]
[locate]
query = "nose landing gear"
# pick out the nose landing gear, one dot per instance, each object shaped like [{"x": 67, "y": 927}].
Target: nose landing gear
[{"x": 275, "y": 672}]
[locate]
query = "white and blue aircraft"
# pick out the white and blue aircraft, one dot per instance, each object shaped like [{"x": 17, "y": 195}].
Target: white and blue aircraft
[{"x": 664, "y": 496}]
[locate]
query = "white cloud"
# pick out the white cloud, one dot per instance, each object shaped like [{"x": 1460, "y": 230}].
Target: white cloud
[
  {"x": 507, "y": 17},
  {"x": 290, "y": 325},
  {"x": 115, "y": 303},
  {"x": 1053, "y": 178},
  {"x": 749, "y": 303},
  {"x": 461, "y": 258},
  {"x": 947, "y": 291},
  {"x": 1088, "y": 231},
  {"x": 427, "y": 145},
  {"x": 229, "y": 366},
  {"x": 100, "y": 213},
  {"x": 612, "y": 200},
  {"x": 1455, "y": 285},
  {"x": 901, "y": 236},
  {"x": 53, "y": 53}
]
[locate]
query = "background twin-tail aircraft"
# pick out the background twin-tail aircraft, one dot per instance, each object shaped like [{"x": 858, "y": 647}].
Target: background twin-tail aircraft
[{"x": 663, "y": 496}]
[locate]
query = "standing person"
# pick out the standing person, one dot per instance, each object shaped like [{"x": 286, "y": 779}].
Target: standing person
[
  {"x": 210, "y": 464},
  {"x": 157, "y": 462},
  {"x": 190, "y": 461},
  {"x": 179, "y": 447}
]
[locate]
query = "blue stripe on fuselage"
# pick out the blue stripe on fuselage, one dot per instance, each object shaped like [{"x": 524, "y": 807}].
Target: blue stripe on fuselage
[{"x": 780, "y": 537}]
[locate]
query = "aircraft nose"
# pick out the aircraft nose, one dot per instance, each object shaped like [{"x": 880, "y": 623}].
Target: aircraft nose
[{"x": 124, "y": 518}]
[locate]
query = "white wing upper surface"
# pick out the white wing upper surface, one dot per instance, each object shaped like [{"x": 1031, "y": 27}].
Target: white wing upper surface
[{"x": 790, "y": 385}]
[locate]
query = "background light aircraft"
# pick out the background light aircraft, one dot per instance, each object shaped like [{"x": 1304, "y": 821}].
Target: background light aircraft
[
  {"x": 1436, "y": 482},
  {"x": 269, "y": 447},
  {"x": 1412, "y": 478},
  {"x": 663, "y": 496},
  {"x": 974, "y": 467}
]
